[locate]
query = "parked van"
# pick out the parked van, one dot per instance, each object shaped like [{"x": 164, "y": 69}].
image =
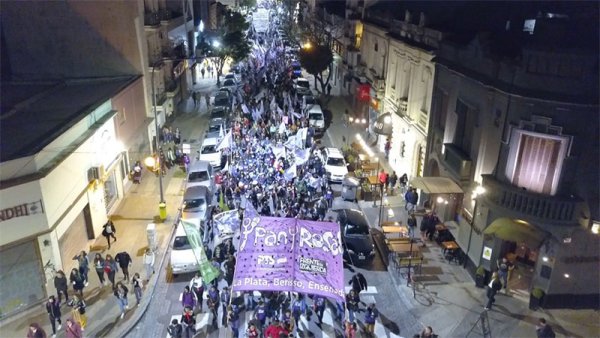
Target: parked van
[
  {"x": 182, "y": 257},
  {"x": 200, "y": 173}
]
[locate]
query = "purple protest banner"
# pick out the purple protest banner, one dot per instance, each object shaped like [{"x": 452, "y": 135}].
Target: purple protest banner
[{"x": 286, "y": 254}]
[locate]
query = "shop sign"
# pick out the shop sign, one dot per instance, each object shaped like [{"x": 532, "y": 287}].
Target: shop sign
[
  {"x": 24, "y": 209},
  {"x": 487, "y": 253},
  {"x": 364, "y": 92}
]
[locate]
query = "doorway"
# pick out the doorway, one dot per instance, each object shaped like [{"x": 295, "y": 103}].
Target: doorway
[{"x": 523, "y": 258}]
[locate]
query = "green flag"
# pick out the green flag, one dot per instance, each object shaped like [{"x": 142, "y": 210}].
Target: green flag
[
  {"x": 222, "y": 205},
  {"x": 208, "y": 271}
]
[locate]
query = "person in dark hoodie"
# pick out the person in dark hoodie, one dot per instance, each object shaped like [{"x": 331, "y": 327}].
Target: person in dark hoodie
[
  {"x": 124, "y": 261},
  {"x": 358, "y": 282}
]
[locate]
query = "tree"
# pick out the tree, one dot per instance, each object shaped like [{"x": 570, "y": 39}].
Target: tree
[
  {"x": 231, "y": 42},
  {"x": 317, "y": 59}
]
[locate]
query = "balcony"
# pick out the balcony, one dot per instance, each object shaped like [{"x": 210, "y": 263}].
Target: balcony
[
  {"x": 457, "y": 162},
  {"x": 152, "y": 19},
  {"x": 521, "y": 203},
  {"x": 402, "y": 106}
]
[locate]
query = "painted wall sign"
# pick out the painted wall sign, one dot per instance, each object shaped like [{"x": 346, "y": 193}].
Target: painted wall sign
[
  {"x": 487, "y": 253},
  {"x": 21, "y": 210}
]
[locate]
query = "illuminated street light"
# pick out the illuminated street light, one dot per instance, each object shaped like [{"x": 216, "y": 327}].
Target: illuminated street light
[
  {"x": 216, "y": 43},
  {"x": 307, "y": 45}
]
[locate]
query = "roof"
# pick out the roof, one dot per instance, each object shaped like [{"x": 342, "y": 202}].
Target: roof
[
  {"x": 355, "y": 216},
  {"x": 334, "y": 152},
  {"x": 35, "y": 114},
  {"x": 195, "y": 191}
]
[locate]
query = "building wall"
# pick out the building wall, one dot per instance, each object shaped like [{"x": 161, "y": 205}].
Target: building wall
[
  {"x": 71, "y": 39},
  {"x": 410, "y": 75},
  {"x": 131, "y": 115}
]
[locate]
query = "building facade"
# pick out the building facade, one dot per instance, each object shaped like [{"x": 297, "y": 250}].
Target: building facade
[{"x": 521, "y": 121}]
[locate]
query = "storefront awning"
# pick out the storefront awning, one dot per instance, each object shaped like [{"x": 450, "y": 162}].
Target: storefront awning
[
  {"x": 436, "y": 185},
  {"x": 516, "y": 231}
]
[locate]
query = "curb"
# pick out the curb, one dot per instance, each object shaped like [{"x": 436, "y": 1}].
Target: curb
[{"x": 132, "y": 322}]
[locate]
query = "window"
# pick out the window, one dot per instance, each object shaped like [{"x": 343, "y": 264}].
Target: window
[
  {"x": 535, "y": 160},
  {"x": 376, "y": 47},
  {"x": 441, "y": 108},
  {"x": 465, "y": 124}
]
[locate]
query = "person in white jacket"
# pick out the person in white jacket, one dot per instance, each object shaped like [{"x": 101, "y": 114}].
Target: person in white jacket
[
  {"x": 197, "y": 286},
  {"x": 149, "y": 263}
]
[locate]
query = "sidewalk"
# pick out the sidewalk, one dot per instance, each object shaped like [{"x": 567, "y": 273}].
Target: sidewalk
[
  {"x": 446, "y": 297},
  {"x": 138, "y": 208}
]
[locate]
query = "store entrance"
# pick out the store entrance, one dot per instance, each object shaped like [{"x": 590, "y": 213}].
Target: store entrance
[{"x": 523, "y": 258}]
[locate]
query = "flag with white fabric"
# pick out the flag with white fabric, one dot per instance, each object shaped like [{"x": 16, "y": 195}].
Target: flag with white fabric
[
  {"x": 301, "y": 156},
  {"x": 290, "y": 173},
  {"x": 225, "y": 142},
  {"x": 245, "y": 109}
]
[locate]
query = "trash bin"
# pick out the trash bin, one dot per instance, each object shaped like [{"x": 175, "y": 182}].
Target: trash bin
[
  {"x": 162, "y": 210},
  {"x": 350, "y": 186}
]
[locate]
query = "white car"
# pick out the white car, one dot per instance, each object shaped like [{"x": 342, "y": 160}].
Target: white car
[
  {"x": 230, "y": 84},
  {"x": 209, "y": 152},
  {"x": 335, "y": 165},
  {"x": 316, "y": 119},
  {"x": 301, "y": 82},
  {"x": 182, "y": 258}
]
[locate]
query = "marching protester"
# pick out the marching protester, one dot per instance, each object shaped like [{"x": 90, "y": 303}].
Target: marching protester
[
  {"x": 197, "y": 287},
  {"x": 99, "y": 267},
  {"x": 73, "y": 329},
  {"x": 120, "y": 293},
  {"x": 83, "y": 262},
  {"x": 53, "y": 309},
  {"x": 137, "y": 287},
  {"x": 124, "y": 261},
  {"x": 60, "y": 283}
]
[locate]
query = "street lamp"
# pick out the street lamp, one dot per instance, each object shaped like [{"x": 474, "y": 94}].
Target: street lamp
[
  {"x": 478, "y": 191},
  {"x": 162, "y": 205}
]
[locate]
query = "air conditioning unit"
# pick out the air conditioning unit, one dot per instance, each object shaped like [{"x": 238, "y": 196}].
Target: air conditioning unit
[{"x": 95, "y": 173}]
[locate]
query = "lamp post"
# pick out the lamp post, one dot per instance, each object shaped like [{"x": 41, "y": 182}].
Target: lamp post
[
  {"x": 478, "y": 191},
  {"x": 162, "y": 205}
]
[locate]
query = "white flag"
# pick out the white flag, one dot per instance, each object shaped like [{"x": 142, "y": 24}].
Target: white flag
[
  {"x": 290, "y": 173},
  {"x": 225, "y": 141}
]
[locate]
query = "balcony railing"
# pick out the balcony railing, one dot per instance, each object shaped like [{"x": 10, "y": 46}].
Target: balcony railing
[
  {"x": 540, "y": 207},
  {"x": 402, "y": 106}
]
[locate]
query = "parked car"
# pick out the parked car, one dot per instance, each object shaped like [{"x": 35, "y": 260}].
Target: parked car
[
  {"x": 197, "y": 204},
  {"x": 217, "y": 125},
  {"x": 200, "y": 173},
  {"x": 335, "y": 165},
  {"x": 356, "y": 236},
  {"x": 316, "y": 119},
  {"x": 230, "y": 85},
  {"x": 307, "y": 102},
  {"x": 209, "y": 152},
  {"x": 222, "y": 98},
  {"x": 182, "y": 257},
  {"x": 220, "y": 112},
  {"x": 301, "y": 92},
  {"x": 301, "y": 82},
  {"x": 231, "y": 76}
]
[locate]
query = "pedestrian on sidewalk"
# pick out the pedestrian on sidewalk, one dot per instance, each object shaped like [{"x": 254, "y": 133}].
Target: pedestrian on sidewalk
[
  {"x": 84, "y": 265},
  {"x": 329, "y": 89},
  {"x": 149, "y": 263},
  {"x": 99, "y": 266},
  {"x": 110, "y": 268},
  {"x": 137, "y": 287},
  {"x": 36, "y": 331},
  {"x": 78, "y": 311},
  {"x": 412, "y": 223},
  {"x": 504, "y": 268},
  {"x": 121, "y": 293},
  {"x": 202, "y": 71},
  {"x": 60, "y": 283},
  {"x": 124, "y": 261},
  {"x": 53, "y": 309},
  {"x": 387, "y": 148},
  {"x": 544, "y": 330},
  {"x": 76, "y": 280},
  {"x": 492, "y": 289},
  {"x": 73, "y": 329},
  {"x": 403, "y": 182},
  {"x": 108, "y": 231},
  {"x": 392, "y": 180}
]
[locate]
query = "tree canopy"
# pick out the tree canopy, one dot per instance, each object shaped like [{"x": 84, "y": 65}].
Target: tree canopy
[
  {"x": 317, "y": 59},
  {"x": 230, "y": 43}
]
